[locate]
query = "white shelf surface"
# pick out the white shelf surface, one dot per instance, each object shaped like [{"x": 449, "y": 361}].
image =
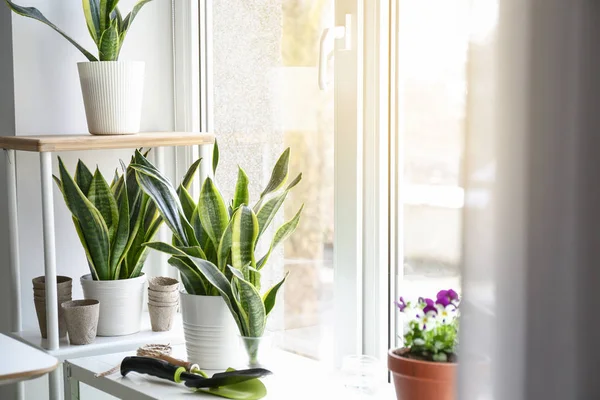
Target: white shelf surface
[{"x": 106, "y": 345}]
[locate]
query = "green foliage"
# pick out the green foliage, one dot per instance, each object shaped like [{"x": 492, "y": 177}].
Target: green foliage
[
  {"x": 214, "y": 245},
  {"x": 436, "y": 344},
  {"x": 104, "y": 22},
  {"x": 113, "y": 221}
]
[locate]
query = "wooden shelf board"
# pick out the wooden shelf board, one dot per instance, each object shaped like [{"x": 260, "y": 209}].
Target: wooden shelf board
[
  {"x": 53, "y": 143},
  {"x": 106, "y": 345}
]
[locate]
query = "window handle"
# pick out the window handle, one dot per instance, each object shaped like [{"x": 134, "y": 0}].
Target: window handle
[{"x": 326, "y": 47}]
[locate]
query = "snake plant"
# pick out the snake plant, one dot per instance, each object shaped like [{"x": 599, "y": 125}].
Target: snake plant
[
  {"x": 104, "y": 21},
  {"x": 214, "y": 244},
  {"x": 114, "y": 220}
]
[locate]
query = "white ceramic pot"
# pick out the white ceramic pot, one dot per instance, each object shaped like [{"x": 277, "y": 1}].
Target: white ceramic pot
[
  {"x": 121, "y": 303},
  {"x": 210, "y": 332},
  {"x": 112, "y": 96}
]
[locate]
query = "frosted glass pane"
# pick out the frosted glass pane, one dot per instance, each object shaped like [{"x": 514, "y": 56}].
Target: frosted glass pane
[{"x": 265, "y": 99}]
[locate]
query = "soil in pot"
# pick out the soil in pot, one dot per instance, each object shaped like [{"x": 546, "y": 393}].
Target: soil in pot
[{"x": 416, "y": 379}]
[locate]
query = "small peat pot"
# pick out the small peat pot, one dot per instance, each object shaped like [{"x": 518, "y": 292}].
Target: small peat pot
[
  {"x": 163, "y": 284},
  {"x": 421, "y": 380},
  {"x": 64, "y": 287},
  {"x": 81, "y": 317},
  {"x": 161, "y": 317}
]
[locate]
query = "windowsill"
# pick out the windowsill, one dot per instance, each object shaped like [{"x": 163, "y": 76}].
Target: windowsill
[{"x": 294, "y": 378}]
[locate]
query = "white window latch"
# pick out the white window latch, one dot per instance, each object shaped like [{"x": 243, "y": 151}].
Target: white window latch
[{"x": 326, "y": 47}]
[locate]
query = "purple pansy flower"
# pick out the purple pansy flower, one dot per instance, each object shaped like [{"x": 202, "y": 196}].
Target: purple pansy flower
[
  {"x": 429, "y": 307},
  {"x": 449, "y": 296},
  {"x": 401, "y": 304}
]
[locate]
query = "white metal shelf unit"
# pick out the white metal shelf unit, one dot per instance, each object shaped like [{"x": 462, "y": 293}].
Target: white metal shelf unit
[{"x": 45, "y": 146}]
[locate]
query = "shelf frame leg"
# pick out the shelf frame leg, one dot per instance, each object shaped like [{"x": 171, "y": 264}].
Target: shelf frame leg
[
  {"x": 55, "y": 384},
  {"x": 13, "y": 242},
  {"x": 71, "y": 385},
  {"x": 49, "y": 251}
]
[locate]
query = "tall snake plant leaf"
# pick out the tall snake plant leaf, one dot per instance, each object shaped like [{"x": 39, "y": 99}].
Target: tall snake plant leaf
[
  {"x": 120, "y": 240},
  {"x": 219, "y": 281},
  {"x": 83, "y": 177},
  {"x": 268, "y": 211},
  {"x": 215, "y": 157},
  {"x": 106, "y": 9},
  {"x": 108, "y": 47},
  {"x": 271, "y": 295},
  {"x": 165, "y": 197},
  {"x": 244, "y": 228},
  {"x": 225, "y": 247},
  {"x": 187, "y": 202},
  {"x": 241, "y": 194},
  {"x": 192, "y": 279},
  {"x": 93, "y": 227},
  {"x": 91, "y": 11},
  {"x": 212, "y": 211},
  {"x": 279, "y": 174},
  {"x": 252, "y": 304},
  {"x": 34, "y": 13},
  {"x": 101, "y": 197},
  {"x": 282, "y": 234}
]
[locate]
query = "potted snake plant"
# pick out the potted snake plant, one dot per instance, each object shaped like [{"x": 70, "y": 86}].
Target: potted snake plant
[
  {"x": 214, "y": 249},
  {"x": 113, "y": 221},
  {"x": 112, "y": 90}
]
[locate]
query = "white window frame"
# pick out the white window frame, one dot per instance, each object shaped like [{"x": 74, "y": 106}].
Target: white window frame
[{"x": 363, "y": 270}]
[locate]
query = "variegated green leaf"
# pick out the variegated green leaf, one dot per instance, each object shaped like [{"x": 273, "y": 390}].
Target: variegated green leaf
[
  {"x": 108, "y": 46},
  {"x": 93, "y": 228},
  {"x": 225, "y": 247},
  {"x": 131, "y": 16},
  {"x": 212, "y": 211},
  {"x": 268, "y": 211},
  {"x": 101, "y": 197},
  {"x": 187, "y": 202},
  {"x": 86, "y": 249},
  {"x": 120, "y": 240},
  {"x": 83, "y": 177},
  {"x": 165, "y": 198},
  {"x": 215, "y": 157},
  {"x": 186, "y": 182},
  {"x": 91, "y": 11},
  {"x": 282, "y": 234},
  {"x": 270, "y": 296},
  {"x": 241, "y": 194},
  {"x": 244, "y": 232},
  {"x": 252, "y": 305},
  {"x": 218, "y": 280},
  {"x": 191, "y": 277},
  {"x": 279, "y": 174},
  {"x": 106, "y": 9},
  {"x": 165, "y": 248},
  {"x": 34, "y": 13}
]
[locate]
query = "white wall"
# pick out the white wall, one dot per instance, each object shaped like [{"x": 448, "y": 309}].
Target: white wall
[{"x": 47, "y": 100}]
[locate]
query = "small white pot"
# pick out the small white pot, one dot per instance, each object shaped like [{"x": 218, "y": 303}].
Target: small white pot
[
  {"x": 210, "y": 332},
  {"x": 121, "y": 303},
  {"x": 112, "y": 96}
]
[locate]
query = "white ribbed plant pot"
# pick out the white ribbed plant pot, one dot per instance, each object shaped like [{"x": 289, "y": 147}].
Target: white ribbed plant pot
[
  {"x": 121, "y": 304},
  {"x": 112, "y": 96},
  {"x": 211, "y": 334}
]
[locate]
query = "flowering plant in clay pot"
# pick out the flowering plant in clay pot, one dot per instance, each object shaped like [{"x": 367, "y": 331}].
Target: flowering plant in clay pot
[{"x": 426, "y": 366}]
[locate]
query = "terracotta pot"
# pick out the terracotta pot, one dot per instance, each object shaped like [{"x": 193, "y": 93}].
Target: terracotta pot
[{"x": 421, "y": 380}]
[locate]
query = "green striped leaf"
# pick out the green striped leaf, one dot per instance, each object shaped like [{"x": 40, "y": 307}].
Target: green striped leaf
[
  {"x": 244, "y": 232},
  {"x": 131, "y": 16},
  {"x": 83, "y": 177},
  {"x": 281, "y": 235},
  {"x": 218, "y": 280},
  {"x": 86, "y": 249},
  {"x": 91, "y": 11},
  {"x": 212, "y": 212},
  {"x": 215, "y": 157},
  {"x": 241, "y": 195},
  {"x": 268, "y": 211},
  {"x": 34, "y": 13},
  {"x": 92, "y": 226},
  {"x": 270, "y": 296},
  {"x": 187, "y": 202},
  {"x": 279, "y": 174},
  {"x": 252, "y": 304},
  {"x": 106, "y": 8},
  {"x": 101, "y": 197},
  {"x": 199, "y": 231},
  {"x": 186, "y": 182},
  {"x": 120, "y": 241},
  {"x": 108, "y": 47},
  {"x": 165, "y": 248},
  {"x": 165, "y": 198},
  {"x": 191, "y": 277},
  {"x": 225, "y": 247}
]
